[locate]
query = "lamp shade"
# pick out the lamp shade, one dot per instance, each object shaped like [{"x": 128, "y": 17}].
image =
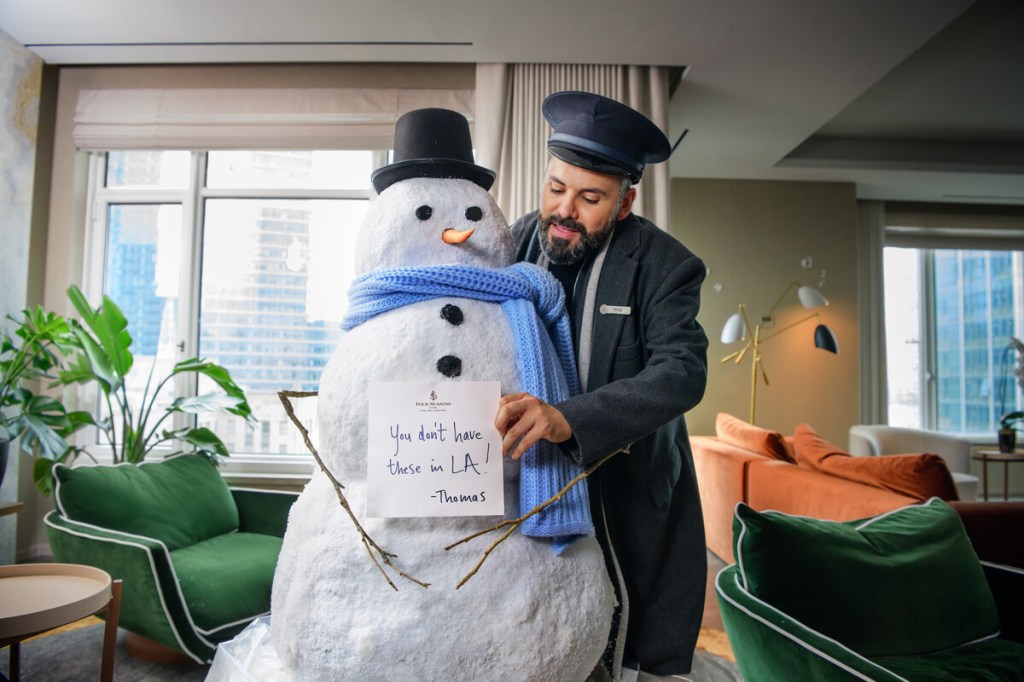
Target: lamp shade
[
  {"x": 734, "y": 329},
  {"x": 811, "y": 297},
  {"x": 825, "y": 339}
]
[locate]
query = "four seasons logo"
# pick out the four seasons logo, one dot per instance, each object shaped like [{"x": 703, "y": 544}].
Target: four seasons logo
[{"x": 434, "y": 405}]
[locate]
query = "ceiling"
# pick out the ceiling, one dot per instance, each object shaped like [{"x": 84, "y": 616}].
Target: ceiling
[{"x": 914, "y": 100}]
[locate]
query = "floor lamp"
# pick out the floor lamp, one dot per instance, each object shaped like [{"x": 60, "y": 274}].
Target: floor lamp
[{"x": 738, "y": 328}]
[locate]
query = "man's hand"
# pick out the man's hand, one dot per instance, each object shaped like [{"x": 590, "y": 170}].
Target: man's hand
[{"x": 526, "y": 419}]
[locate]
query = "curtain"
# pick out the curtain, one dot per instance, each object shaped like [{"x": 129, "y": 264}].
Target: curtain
[
  {"x": 874, "y": 402},
  {"x": 253, "y": 118},
  {"x": 511, "y": 133}
]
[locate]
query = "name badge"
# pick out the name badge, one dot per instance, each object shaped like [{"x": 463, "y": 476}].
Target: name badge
[{"x": 615, "y": 310}]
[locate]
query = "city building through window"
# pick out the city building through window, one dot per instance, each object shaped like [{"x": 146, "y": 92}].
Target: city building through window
[
  {"x": 950, "y": 315},
  {"x": 240, "y": 257}
]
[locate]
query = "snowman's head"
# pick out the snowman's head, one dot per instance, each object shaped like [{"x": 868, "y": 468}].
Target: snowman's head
[{"x": 430, "y": 221}]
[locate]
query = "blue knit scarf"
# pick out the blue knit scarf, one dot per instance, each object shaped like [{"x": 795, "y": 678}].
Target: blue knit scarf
[{"x": 530, "y": 297}]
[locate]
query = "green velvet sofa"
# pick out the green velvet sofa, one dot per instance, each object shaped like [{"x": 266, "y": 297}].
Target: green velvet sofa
[
  {"x": 897, "y": 597},
  {"x": 197, "y": 558}
]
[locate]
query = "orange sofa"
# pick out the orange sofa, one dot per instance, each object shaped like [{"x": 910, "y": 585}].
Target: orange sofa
[{"x": 761, "y": 468}]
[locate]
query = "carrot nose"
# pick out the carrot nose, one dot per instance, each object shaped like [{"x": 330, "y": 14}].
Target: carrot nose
[{"x": 451, "y": 236}]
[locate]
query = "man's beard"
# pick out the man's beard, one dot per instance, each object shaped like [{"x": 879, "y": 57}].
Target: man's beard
[{"x": 562, "y": 251}]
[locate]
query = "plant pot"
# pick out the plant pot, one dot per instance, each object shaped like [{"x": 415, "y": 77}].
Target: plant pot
[
  {"x": 4, "y": 449},
  {"x": 1007, "y": 440}
]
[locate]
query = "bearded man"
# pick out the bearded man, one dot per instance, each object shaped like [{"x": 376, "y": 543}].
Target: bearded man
[{"x": 633, "y": 293}]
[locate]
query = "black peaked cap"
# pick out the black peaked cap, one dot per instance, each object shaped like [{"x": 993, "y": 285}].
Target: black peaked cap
[{"x": 600, "y": 134}]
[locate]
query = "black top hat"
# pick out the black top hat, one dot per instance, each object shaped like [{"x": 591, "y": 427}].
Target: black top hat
[
  {"x": 432, "y": 143},
  {"x": 602, "y": 135}
]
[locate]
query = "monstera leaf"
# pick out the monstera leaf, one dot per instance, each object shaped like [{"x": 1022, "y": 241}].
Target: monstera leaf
[
  {"x": 40, "y": 423},
  {"x": 44, "y": 423}
]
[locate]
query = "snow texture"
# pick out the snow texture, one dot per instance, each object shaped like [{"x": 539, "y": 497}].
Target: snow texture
[{"x": 528, "y": 614}]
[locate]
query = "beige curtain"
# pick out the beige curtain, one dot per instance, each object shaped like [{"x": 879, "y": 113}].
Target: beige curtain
[
  {"x": 874, "y": 403},
  {"x": 511, "y": 133}
]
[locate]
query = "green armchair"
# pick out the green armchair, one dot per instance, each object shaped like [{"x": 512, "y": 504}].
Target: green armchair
[
  {"x": 197, "y": 558},
  {"x": 897, "y": 597}
]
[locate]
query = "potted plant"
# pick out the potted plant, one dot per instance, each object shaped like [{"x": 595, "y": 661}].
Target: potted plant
[
  {"x": 40, "y": 422},
  {"x": 99, "y": 350},
  {"x": 1008, "y": 424}
]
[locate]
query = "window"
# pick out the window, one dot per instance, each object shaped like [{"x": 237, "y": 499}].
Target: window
[
  {"x": 240, "y": 257},
  {"x": 950, "y": 314}
]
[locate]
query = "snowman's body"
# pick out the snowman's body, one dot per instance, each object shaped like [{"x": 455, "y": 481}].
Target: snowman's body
[{"x": 528, "y": 614}]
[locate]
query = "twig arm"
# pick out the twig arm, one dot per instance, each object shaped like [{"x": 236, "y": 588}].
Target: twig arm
[
  {"x": 514, "y": 524},
  {"x": 367, "y": 541}
]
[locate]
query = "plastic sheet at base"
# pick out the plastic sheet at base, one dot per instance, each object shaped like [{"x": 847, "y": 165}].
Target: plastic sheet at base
[{"x": 249, "y": 657}]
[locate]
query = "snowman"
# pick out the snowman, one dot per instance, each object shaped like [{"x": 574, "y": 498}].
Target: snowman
[{"x": 540, "y": 607}]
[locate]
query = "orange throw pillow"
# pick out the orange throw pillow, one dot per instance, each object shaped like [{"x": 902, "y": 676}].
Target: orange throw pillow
[
  {"x": 735, "y": 431},
  {"x": 920, "y": 476}
]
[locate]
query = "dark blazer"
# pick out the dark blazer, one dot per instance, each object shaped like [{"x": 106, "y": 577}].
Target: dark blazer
[{"x": 647, "y": 369}]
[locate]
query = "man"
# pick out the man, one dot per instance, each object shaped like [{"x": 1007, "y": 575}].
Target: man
[{"x": 633, "y": 292}]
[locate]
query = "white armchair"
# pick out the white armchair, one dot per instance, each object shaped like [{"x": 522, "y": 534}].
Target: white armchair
[{"x": 880, "y": 439}]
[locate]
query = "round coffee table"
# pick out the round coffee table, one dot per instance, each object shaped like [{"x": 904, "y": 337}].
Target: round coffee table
[
  {"x": 35, "y": 598},
  {"x": 1007, "y": 458}
]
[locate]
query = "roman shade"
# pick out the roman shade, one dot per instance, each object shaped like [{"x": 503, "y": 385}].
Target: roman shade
[
  {"x": 938, "y": 226},
  {"x": 251, "y": 118}
]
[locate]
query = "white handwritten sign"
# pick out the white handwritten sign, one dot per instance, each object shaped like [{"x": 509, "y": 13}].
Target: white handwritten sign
[{"x": 433, "y": 449}]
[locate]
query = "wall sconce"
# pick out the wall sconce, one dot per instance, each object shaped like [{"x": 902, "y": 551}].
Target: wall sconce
[{"x": 738, "y": 328}]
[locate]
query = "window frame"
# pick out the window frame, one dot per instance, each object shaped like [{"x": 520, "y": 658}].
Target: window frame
[
  {"x": 895, "y": 236},
  {"x": 244, "y": 468}
]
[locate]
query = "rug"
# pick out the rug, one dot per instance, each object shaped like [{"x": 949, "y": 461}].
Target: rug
[
  {"x": 74, "y": 652},
  {"x": 708, "y": 667},
  {"x": 713, "y": 661}
]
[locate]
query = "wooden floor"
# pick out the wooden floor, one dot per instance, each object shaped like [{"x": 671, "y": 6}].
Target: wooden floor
[{"x": 712, "y": 637}]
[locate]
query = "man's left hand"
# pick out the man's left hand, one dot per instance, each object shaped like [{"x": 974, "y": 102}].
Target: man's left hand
[{"x": 526, "y": 419}]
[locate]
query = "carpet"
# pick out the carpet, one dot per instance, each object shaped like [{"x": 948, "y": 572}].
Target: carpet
[
  {"x": 73, "y": 654},
  {"x": 713, "y": 661}
]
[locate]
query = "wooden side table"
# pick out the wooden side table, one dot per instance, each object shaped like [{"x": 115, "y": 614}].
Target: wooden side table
[
  {"x": 35, "y": 598},
  {"x": 1007, "y": 458},
  {"x": 10, "y": 507}
]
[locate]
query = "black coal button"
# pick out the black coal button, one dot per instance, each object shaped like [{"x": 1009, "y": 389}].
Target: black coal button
[
  {"x": 452, "y": 314},
  {"x": 450, "y": 366}
]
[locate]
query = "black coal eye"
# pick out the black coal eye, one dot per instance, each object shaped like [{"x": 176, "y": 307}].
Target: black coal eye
[
  {"x": 424, "y": 212},
  {"x": 474, "y": 213}
]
